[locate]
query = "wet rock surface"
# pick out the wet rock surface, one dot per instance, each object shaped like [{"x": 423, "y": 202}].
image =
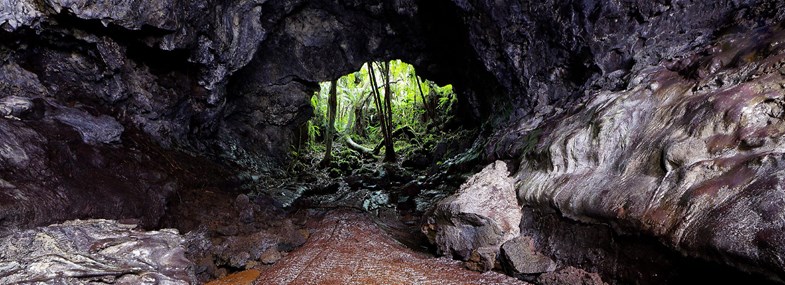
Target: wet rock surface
[
  {"x": 94, "y": 252},
  {"x": 346, "y": 247}
]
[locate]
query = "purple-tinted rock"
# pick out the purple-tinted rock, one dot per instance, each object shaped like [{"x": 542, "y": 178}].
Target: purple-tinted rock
[
  {"x": 696, "y": 162},
  {"x": 90, "y": 251}
]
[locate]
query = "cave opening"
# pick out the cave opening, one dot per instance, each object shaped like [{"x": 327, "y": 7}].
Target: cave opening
[
  {"x": 355, "y": 115},
  {"x": 341, "y": 158}
]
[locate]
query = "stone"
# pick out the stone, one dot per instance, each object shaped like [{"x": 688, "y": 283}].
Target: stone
[
  {"x": 14, "y": 106},
  {"x": 94, "y": 129},
  {"x": 698, "y": 167},
  {"x": 92, "y": 251},
  {"x": 242, "y": 201},
  {"x": 56, "y": 176},
  {"x": 483, "y": 259},
  {"x": 570, "y": 276},
  {"x": 521, "y": 257},
  {"x": 480, "y": 217},
  {"x": 657, "y": 118},
  {"x": 19, "y": 82},
  {"x": 270, "y": 256}
]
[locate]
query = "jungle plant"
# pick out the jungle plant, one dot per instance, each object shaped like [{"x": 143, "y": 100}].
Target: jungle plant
[{"x": 377, "y": 106}]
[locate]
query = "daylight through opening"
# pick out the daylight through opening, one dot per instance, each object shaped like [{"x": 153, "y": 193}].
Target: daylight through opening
[{"x": 384, "y": 111}]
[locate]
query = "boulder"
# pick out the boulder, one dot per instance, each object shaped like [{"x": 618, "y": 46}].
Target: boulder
[
  {"x": 477, "y": 219},
  {"x": 521, "y": 257},
  {"x": 93, "y": 129}
]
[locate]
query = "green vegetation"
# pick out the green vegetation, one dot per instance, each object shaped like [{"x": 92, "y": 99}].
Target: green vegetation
[{"x": 383, "y": 106}]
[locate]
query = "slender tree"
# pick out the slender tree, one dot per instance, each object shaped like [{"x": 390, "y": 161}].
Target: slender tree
[
  {"x": 425, "y": 104},
  {"x": 377, "y": 99},
  {"x": 332, "y": 106},
  {"x": 389, "y": 149},
  {"x": 359, "y": 115},
  {"x": 384, "y": 119}
]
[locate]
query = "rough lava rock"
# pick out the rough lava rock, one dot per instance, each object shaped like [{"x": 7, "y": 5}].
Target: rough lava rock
[
  {"x": 94, "y": 252},
  {"x": 225, "y": 233},
  {"x": 14, "y": 107},
  {"x": 570, "y": 276},
  {"x": 521, "y": 257},
  {"x": 690, "y": 153},
  {"x": 94, "y": 130},
  {"x": 475, "y": 221}
]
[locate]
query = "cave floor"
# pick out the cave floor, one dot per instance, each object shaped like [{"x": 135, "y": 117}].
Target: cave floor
[
  {"x": 346, "y": 246},
  {"x": 311, "y": 228}
]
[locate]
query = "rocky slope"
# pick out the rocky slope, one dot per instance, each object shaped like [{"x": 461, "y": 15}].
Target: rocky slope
[{"x": 653, "y": 118}]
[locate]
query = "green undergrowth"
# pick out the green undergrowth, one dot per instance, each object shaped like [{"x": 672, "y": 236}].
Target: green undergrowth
[{"x": 420, "y": 108}]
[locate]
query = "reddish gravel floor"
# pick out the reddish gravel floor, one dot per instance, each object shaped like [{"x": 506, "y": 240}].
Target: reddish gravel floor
[{"x": 347, "y": 247}]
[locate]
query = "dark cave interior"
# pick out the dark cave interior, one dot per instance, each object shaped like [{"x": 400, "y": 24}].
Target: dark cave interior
[{"x": 591, "y": 142}]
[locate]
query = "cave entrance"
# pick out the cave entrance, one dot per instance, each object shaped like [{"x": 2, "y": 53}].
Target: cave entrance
[
  {"x": 384, "y": 111},
  {"x": 394, "y": 172}
]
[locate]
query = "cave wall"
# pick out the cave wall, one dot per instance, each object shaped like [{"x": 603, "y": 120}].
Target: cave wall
[
  {"x": 550, "y": 54},
  {"x": 229, "y": 79},
  {"x": 109, "y": 107},
  {"x": 690, "y": 154}
]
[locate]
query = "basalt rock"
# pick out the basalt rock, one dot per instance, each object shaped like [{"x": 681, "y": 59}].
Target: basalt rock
[
  {"x": 63, "y": 161},
  {"x": 474, "y": 222},
  {"x": 521, "y": 257},
  {"x": 94, "y": 252},
  {"x": 553, "y": 54},
  {"x": 225, "y": 233},
  {"x": 689, "y": 153},
  {"x": 570, "y": 276},
  {"x": 14, "y": 107}
]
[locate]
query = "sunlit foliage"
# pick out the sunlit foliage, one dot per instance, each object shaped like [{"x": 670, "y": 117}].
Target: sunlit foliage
[{"x": 357, "y": 116}]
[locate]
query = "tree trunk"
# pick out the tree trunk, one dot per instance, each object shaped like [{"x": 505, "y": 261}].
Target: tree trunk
[
  {"x": 405, "y": 130},
  {"x": 364, "y": 151},
  {"x": 332, "y": 106},
  {"x": 428, "y": 110},
  {"x": 389, "y": 149},
  {"x": 359, "y": 116},
  {"x": 381, "y": 109}
]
